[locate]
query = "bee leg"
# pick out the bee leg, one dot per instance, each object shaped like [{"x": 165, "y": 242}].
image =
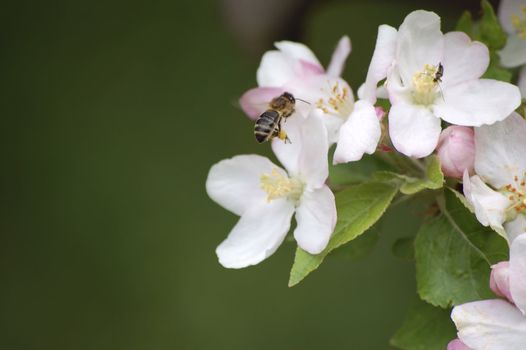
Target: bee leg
[{"x": 283, "y": 136}]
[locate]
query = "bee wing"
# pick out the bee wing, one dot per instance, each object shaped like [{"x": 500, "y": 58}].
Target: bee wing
[{"x": 256, "y": 101}]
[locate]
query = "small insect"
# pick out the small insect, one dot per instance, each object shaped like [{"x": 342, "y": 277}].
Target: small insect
[
  {"x": 268, "y": 124},
  {"x": 439, "y": 73},
  {"x": 438, "y": 78}
]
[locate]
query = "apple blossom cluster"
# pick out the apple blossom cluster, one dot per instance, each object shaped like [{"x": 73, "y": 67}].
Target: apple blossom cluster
[{"x": 432, "y": 110}]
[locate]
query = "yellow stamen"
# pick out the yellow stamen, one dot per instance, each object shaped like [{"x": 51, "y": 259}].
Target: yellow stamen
[
  {"x": 338, "y": 102},
  {"x": 425, "y": 85},
  {"x": 516, "y": 193},
  {"x": 277, "y": 185}
]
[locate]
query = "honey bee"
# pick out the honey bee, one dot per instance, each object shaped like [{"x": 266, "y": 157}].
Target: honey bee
[{"x": 268, "y": 124}]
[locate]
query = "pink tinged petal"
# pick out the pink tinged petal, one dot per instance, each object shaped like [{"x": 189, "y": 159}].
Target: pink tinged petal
[
  {"x": 275, "y": 70},
  {"x": 235, "y": 183},
  {"x": 316, "y": 218},
  {"x": 383, "y": 58},
  {"x": 490, "y": 324},
  {"x": 457, "y": 344},
  {"x": 518, "y": 272},
  {"x": 477, "y": 102},
  {"x": 308, "y": 69},
  {"x": 414, "y": 130},
  {"x": 256, "y": 101},
  {"x": 489, "y": 205},
  {"x": 514, "y": 53},
  {"x": 339, "y": 56},
  {"x": 313, "y": 166},
  {"x": 456, "y": 150},
  {"x": 500, "y": 150},
  {"x": 522, "y": 81},
  {"x": 297, "y": 51},
  {"x": 515, "y": 227},
  {"x": 256, "y": 236},
  {"x": 499, "y": 281},
  {"x": 507, "y": 9},
  {"x": 463, "y": 59},
  {"x": 420, "y": 42},
  {"x": 359, "y": 134}
]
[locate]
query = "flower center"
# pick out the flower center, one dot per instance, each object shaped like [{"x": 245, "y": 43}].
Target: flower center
[
  {"x": 277, "y": 185},
  {"x": 519, "y": 22},
  {"x": 516, "y": 193},
  {"x": 338, "y": 100},
  {"x": 425, "y": 83}
]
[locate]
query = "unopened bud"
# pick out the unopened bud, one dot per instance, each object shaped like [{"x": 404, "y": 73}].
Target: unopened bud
[
  {"x": 499, "y": 280},
  {"x": 456, "y": 150}
]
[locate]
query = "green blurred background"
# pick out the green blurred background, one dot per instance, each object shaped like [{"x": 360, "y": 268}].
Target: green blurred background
[{"x": 112, "y": 114}]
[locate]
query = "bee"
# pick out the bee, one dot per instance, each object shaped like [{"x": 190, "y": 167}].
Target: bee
[{"x": 268, "y": 124}]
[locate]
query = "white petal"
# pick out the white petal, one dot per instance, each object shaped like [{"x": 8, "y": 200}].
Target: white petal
[
  {"x": 500, "y": 151},
  {"x": 489, "y": 205},
  {"x": 518, "y": 272},
  {"x": 477, "y": 102},
  {"x": 359, "y": 134},
  {"x": 420, "y": 42},
  {"x": 313, "y": 165},
  {"x": 333, "y": 125},
  {"x": 288, "y": 154},
  {"x": 256, "y": 101},
  {"x": 306, "y": 156},
  {"x": 414, "y": 129},
  {"x": 235, "y": 183},
  {"x": 297, "y": 51},
  {"x": 257, "y": 234},
  {"x": 515, "y": 227},
  {"x": 507, "y": 9},
  {"x": 490, "y": 324},
  {"x": 514, "y": 53},
  {"x": 383, "y": 58},
  {"x": 275, "y": 70},
  {"x": 339, "y": 56},
  {"x": 522, "y": 81},
  {"x": 463, "y": 59},
  {"x": 316, "y": 218}
]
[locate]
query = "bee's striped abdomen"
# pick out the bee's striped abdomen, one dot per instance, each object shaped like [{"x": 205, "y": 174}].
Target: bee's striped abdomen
[{"x": 266, "y": 125}]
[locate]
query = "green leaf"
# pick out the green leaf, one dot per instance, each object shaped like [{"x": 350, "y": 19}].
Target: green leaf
[
  {"x": 359, "y": 207},
  {"x": 403, "y": 248},
  {"x": 425, "y": 328},
  {"x": 465, "y": 23},
  {"x": 453, "y": 256},
  {"x": 358, "y": 247},
  {"x": 433, "y": 179},
  {"x": 495, "y": 71},
  {"x": 491, "y": 32}
]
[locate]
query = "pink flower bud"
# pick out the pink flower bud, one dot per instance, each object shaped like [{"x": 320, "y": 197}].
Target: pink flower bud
[
  {"x": 499, "y": 280},
  {"x": 457, "y": 344},
  {"x": 456, "y": 150},
  {"x": 380, "y": 112}
]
